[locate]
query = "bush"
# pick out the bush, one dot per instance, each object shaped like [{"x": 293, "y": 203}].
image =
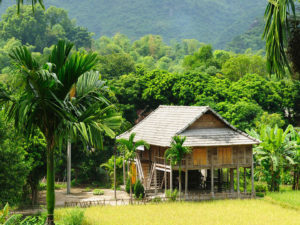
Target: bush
[
  {"x": 261, "y": 187},
  {"x": 98, "y": 192},
  {"x": 127, "y": 188},
  {"x": 73, "y": 217},
  {"x": 42, "y": 186},
  {"x": 138, "y": 190},
  {"x": 172, "y": 195}
]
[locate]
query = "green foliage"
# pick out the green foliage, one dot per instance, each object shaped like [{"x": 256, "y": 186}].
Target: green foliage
[
  {"x": 14, "y": 168},
  {"x": 172, "y": 195},
  {"x": 42, "y": 28},
  {"x": 276, "y": 33},
  {"x": 127, "y": 187},
  {"x": 109, "y": 166},
  {"x": 73, "y": 217},
  {"x": 238, "y": 66},
  {"x": 275, "y": 152},
  {"x": 261, "y": 187},
  {"x": 98, "y": 192},
  {"x": 138, "y": 190},
  {"x": 270, "y": 120}
]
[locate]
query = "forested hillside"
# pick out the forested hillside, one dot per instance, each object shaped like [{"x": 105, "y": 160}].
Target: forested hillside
[{"x": 211, "y": 21}]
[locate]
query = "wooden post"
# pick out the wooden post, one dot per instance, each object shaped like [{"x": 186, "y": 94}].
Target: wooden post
[
  {"x": 171, "y": 178},
  {"x": 155, "y": 177},
  {"x": 231, "y": 180},
  {"x": 252, "y": 179},
  {"x": 165, "y": 176},
  {"x": 245, "y": 181},
  {"x": 238, "y": 181},
  {"x": 186, "y": 177},
  {"x": 212, "y": 181},
  {"x": 69, "y": 167}
]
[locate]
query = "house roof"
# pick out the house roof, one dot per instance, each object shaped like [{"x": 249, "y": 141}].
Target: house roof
[{"x": 162, "y": 124}]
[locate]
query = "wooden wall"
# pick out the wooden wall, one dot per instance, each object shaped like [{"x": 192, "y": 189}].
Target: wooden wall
[{"x": 208, "y": 120}]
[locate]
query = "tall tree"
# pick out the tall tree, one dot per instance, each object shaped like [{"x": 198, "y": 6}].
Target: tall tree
[
  {"x": 44, "y": 103},
  {"x": 176, "y": 154},
  {"x": 130, "y": 147}
]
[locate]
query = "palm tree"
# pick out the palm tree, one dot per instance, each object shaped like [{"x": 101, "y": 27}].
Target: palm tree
[
  {"x": 274, "y": 152},
  {"x": 276, "y": 33},
  {"x": 130, "y": 147},
  {"x": 109, "y": 166},
  {"x": 176, "y": 153},
  {"x": 44, "y": 103},
  {"x": 33, "y": 2}
]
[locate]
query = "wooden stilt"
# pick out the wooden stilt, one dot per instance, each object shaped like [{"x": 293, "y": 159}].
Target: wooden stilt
[
  {"x": 171, "y": 178},
  {"x": 155, "y": 178},
  {"x": 231, "y": 180},
  {"x": 165, "y": 176},
  {"x": 124, "y": 171},
  {"x": 186, "y": 177},
  {"x": 252, "y": 178},
  {"x": 245, "y": 181},
  {"x": 212, "y": 181},
  {"x": 238, "y": 181}
]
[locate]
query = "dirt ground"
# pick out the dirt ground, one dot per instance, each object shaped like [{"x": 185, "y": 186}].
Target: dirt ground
[{"x": 77, "y": 195}]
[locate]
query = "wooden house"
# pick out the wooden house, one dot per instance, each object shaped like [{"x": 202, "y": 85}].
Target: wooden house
[{"x": 219, "y": 151}]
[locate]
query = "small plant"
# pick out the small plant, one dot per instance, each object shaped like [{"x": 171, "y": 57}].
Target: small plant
[
  {"x": 74, "y": 217},
  {"x": 172, "y": 195},
  {"x": 156, "y": 199},
  {"x": 87, "y": 189},
  {"x": 138, "y": 190},
  {"x": 42, "y": 186},
  {"x": 98, "y": 192}
]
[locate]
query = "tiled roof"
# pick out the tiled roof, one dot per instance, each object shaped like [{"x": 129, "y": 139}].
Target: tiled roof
[{"x": 167, "y": 121}]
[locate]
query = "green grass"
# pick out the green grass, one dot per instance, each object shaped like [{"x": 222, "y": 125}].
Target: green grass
[
  {"x": 289, "y": 199},
  {"x": 246, "y": 212}
]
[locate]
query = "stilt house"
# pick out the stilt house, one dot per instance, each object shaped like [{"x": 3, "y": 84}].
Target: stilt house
[{"x": 219, "y": 151}]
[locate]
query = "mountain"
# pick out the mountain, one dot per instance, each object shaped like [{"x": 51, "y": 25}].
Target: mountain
[
  {"x": 211, "y": 21},
  {"x": 252, "y": 38}
]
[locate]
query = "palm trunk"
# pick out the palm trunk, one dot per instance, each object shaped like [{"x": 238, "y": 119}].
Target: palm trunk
[
  {"x": 50, "y": 184},
  {"x": 179, "y": 171}
]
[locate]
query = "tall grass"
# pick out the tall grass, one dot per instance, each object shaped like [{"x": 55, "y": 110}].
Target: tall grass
[
  {"x": 248, "y": 212},
  {"x": 287, "y": 199}
]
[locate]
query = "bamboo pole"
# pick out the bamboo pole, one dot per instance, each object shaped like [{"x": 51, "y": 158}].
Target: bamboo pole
[{"x": 69, "y": 167}]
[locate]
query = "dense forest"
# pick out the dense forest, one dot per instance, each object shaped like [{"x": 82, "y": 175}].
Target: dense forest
[
  {"x": 142, "y": 72},
  {"x": 215, "y": 22}
]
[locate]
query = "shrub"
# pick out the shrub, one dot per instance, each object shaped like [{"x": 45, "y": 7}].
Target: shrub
[
  {"x": 127, "y": 188},
  {"x": 73, "y": 217},
  {"x": 261, "y": 187},
  {"x": 98, "y": 192},
  {"x": 172, "y": 195},
  {"x": 138, "y": 190}
]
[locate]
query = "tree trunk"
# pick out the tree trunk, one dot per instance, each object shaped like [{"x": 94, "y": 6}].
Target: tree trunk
[
  {"x": 50, "y": 184},
  {"x": 34, "y": 192},
  {"x": 69, "y": 167}
]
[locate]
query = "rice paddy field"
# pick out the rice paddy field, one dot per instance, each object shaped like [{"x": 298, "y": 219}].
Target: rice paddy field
[{"x": 278, "y": 208}]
